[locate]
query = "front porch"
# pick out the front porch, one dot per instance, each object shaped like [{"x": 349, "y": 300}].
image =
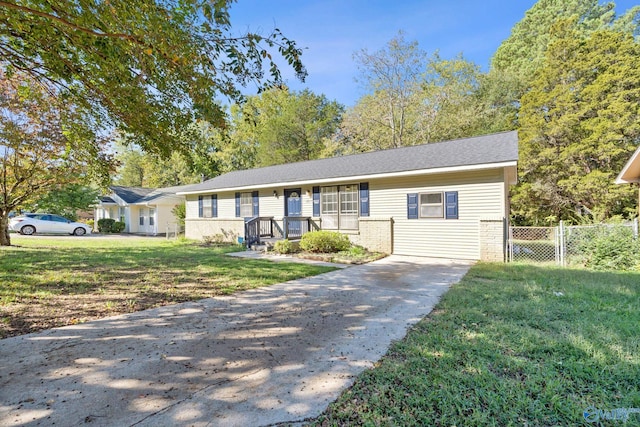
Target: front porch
[{"x": 266, "y": 231}]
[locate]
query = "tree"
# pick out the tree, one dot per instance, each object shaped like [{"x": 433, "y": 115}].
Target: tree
[
  {"x": 66, "y": 200},
  {"x": 580, "y": 121},
  {"x": 287, "y": 126},
  {"x": 139, "y": 169},
  {"x": 523, "y": 51},
  {"x": 451, "y": 99},
  {"x": 148, "y": 68},
  {"x": 42, "y": 146},
  {"x": 131, "y": 170},
  {"x": 392, "y": 76}
]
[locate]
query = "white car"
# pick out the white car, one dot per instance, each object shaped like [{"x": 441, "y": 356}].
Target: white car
[{"x": 47, "y": 223}]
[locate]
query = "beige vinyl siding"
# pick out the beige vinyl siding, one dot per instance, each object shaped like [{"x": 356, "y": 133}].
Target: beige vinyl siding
[
  {"x": 165, "y": 217},
  {"x": 191, "y": 210},
  {"x": 270, "y": 205},
  {"x": 481, "y": 194}
]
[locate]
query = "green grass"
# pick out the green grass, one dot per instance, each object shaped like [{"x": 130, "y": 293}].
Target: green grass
[
  {"x": 503, "y": 349},
  {"x": 46, "y": 282}
]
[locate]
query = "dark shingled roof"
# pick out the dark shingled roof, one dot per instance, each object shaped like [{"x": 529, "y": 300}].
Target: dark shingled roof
[
  {"x": 487, "y": 149},
  {"x": 144, "y": 195},
  {"x": 162, "y": 192},
  {"x": 131, "y": 194},
  {"x": 107, "y": 199}
]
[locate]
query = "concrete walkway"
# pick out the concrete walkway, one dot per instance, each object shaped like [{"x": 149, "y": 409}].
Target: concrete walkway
[{"x": 272, "y": 355}]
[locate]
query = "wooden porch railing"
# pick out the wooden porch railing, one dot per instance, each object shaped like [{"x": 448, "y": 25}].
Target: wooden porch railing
[
  {"x": 296, "y": 226},
  {"x": 252, "y": 231},
  {"x": 293, "y": 228}
]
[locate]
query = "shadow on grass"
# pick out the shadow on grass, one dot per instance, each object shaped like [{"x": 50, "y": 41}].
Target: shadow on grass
[
  {"x": 509, "y": 345},
  {"x": 53, "y": 286}
]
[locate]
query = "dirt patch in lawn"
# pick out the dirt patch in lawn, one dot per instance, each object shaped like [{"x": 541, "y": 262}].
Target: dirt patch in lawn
[
  {"x": 42, "y": 289},
  {"x": 124, "y": 292}
]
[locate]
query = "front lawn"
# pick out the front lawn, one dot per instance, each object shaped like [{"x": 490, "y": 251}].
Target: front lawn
[
  {"x": 511, "y": 345},
  {"x": 56, "y": 281}
]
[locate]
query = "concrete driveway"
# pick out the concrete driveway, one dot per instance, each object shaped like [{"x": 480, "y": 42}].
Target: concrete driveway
[{"x": 272, "y": 355}]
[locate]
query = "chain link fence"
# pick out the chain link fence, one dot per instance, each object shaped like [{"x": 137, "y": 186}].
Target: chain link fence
[
  {"x": 533, "y": 244},
  {"x": 562, "y": 245}
]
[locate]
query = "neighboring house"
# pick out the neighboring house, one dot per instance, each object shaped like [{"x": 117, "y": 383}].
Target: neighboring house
[
  {"x": 143, "y": 210},
  {"x": 630, "y": 174},
  {"x": 447, "y": 199}
]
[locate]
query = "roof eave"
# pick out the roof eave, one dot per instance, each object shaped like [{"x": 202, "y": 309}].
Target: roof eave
[
  {"x": 448, "y": 169},
  {"x": 631, "y": 171}
]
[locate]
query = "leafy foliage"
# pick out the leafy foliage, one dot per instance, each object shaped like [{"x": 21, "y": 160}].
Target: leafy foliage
[
  {"x": 523, "y": 52},
  {"x": 139, "y": 169},
  {"x": 284, "y": 247},
  {"x": 105, "y": 225},
  {"x": 415, "y": 98},
  {"x": 579, "y": 124},
  {"x": 66, "y": 200},
  {"x": 148, "y": 68},
  {"x": 45, "y": 146},
  {"x": 287, "y": 126},
  {"x": 180, "y": 212},
  {"x": 612, "y": 248},
  {"x": 324, "y": 241},
  {"x": 393, "y": 76}
]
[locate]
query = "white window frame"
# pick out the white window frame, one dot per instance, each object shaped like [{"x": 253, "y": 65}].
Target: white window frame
[
  {"x": 246, "y": 205},
  {"x": 207, "y": 207},
  {"x": 340, "y": 207},
  {"x": 330, "y": 207},
  {"x": 429, "y": 205}
]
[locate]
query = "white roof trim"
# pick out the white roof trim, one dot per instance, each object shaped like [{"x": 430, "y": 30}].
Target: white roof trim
[
  {"x": 634, "y": 162},
  {"x": 358, "y": 177}
]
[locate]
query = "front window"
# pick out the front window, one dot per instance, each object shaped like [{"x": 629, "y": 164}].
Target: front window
[
  {"x": 329, "y": 207},
  {"x": 339, "y": 207},
  {"x": 121, "y": 213},
  {"x": 348, "y": 207},
  {"x": 141, "y": 219},
  {"x": 431, "y": 205},
  {"x": 246, "y": 205},
  {"x": 207, "y": 207},
  {"x": 152, "y": 216}
]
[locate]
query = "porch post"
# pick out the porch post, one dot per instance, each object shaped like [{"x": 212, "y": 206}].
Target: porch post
[{"x": 285, "y": 222}]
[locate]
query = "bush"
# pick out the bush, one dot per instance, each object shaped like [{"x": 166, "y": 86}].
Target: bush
[
  {"x": 613, "y": 249},
  {"x": 180, "y": 212},
  {"x": 284, "y": 247},
  {"x": 109, "y": 225},
  {"x": 90, "y": 223},
  {"x": 325, "y": 242},
  {"x": 105, "y": 225}
]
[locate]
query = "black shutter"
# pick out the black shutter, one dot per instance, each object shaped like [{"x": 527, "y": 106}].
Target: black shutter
[
  {"x": 316, "y": 201},
  {"x": 200, "y": 207},
  {"x": 237, "y": 205},
  {"x": 256, "y": 203},
  {"x": 412, "y": 206},
  {"x": 364, "y": 199},
  {"x": 451, "y": 205},
  {"x": 214, "y": 205}
]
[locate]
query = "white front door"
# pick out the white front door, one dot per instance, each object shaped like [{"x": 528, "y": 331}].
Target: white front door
[{"x": 147, "y": 221}]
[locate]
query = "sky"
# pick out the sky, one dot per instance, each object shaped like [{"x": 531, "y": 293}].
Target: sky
[{"x": 331, "y": 31}]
